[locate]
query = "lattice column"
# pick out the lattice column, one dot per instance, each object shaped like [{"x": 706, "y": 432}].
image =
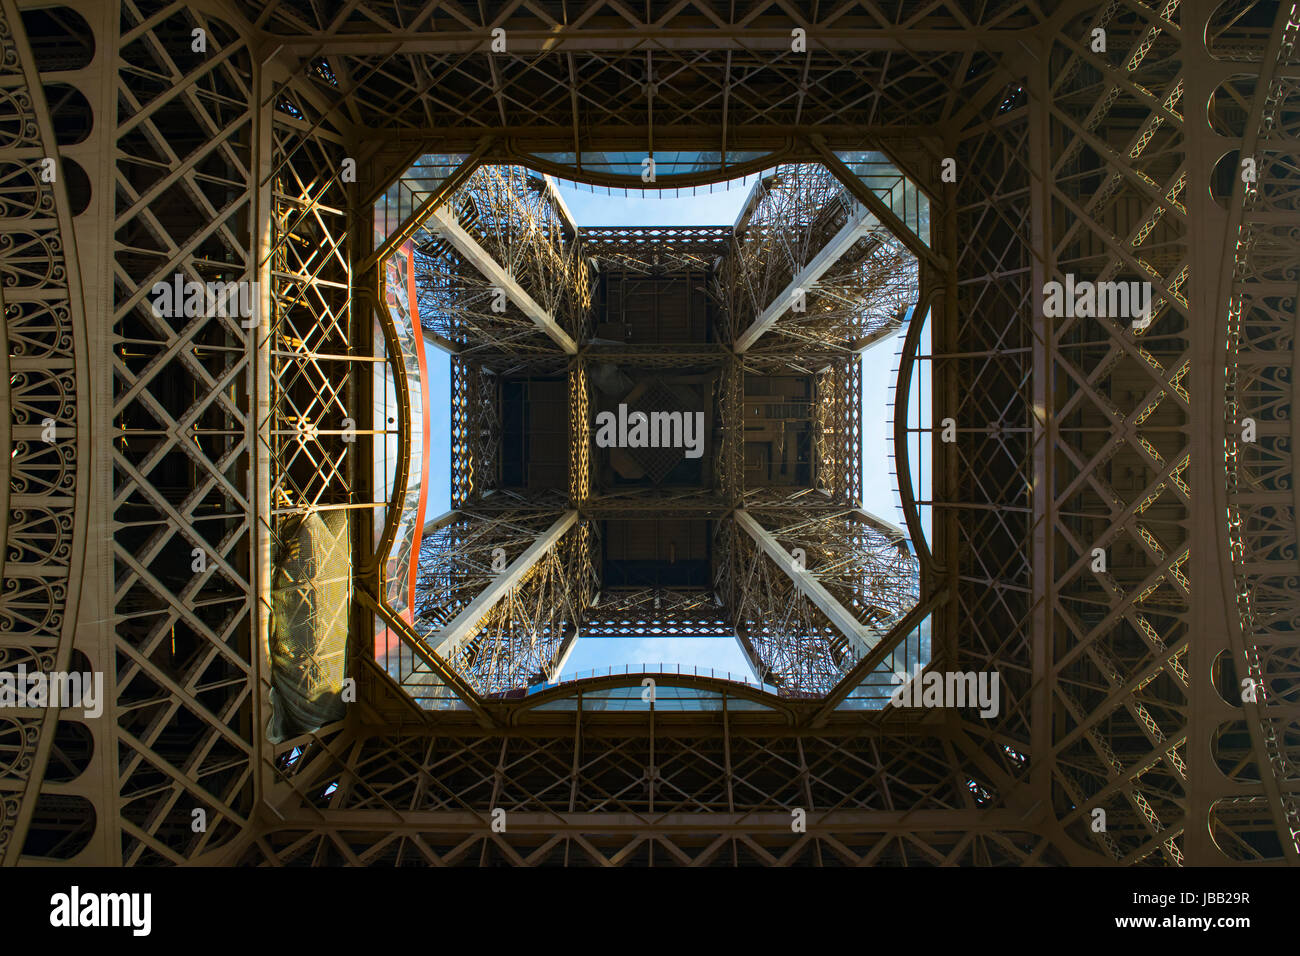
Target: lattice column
[
  {"x": 981, "y": 361},
  {"x": 579, "y": 434},
  {"x": 728, "y": 450},
  {"x": 1124, "y": 491},
  {"x": 184, "y": 435},
  {"x": 475, "y": 430},
  {"x": 838, "y": 437}
]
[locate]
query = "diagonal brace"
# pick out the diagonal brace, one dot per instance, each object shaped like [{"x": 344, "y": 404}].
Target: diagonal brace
[{"x": 468, "y": 247}]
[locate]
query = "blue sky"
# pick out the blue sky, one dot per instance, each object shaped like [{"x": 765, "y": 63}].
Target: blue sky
[
  {"x": 717, "y": 208},
  {"x": 879, "y": 495},
  {"x": 601, "y": 653},
  {"x": 438, "y": 366}
]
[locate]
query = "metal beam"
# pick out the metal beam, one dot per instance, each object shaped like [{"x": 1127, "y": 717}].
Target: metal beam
[
  {"x": 468, "y": 247},
  {"x": 867, "y": 197},
  {"x": 559, "y": 38},
  {"x": 863, "y": 635},
  {"x": 462, "y": 626},
  {"x": 561, "y": 657},
  {"x": 897, "y": 634},
  {"x": 862, "y": 516},
  {"x": 437, "y": 666},
  {"x": 549, "y": 822},
  {"x": 860, "y": 223},
  {"x": 432, "y": 203},
  {"x": 553, "y": 190},
  {"x": 433, "y": 524}
]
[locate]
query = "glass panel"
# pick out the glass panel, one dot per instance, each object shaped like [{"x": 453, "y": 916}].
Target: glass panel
[
  {"x": 411, "y": 189},
  {"x": 912, "y": 654},
  {"x": 900, "y": 194},
  {"x": 667, "y": 162}
]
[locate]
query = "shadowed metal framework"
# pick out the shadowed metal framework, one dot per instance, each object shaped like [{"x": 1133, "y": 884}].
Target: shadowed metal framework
[{"x": 1121, "y": 688}]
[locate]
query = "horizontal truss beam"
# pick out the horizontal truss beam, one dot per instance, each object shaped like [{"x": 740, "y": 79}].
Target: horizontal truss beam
[
  {"x": 587, "y": 40},
  {"x": 462, "y": 821}
]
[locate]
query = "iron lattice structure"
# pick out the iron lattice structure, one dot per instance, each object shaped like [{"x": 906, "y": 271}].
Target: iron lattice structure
[
  {"x": 861, "y": 297},
  {"x": 1121, "y": 688}
]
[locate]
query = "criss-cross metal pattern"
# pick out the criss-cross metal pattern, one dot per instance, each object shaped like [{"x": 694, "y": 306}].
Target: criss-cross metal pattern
[{"x": 1160, "y": 689}]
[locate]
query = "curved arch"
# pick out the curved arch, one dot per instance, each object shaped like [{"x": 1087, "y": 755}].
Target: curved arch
[
  {"x": 1243, "y": 581},
  {"x": 62, "y": 368},
  {"x": 786, "y": 153},
  {"x": 709, "y": 684},
  {"x": 1232, "y": 21},
  {"x": 401, "y": 387},
  {"x": 911, "y": 342}
]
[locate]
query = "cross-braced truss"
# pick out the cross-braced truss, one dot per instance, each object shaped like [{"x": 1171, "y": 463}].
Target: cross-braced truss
[
  {"x": 523, "y": 633},
  {"x": 813, "y": 587},
  {"x": 654, "y": 250},
  {"x": 656, "y": 612},
  {"x": 44, "y": 488},
  {"x": 1166, "y": 447},
  {"x": 500, "y": 269},
  {"x": 590, "y": 793},
  {"x": 789, "y": 641}
]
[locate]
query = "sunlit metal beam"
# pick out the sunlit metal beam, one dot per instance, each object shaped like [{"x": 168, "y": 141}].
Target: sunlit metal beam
[
  {"x": 861, "y": 222},
  {"x": 863, "y": 636},
  {"x": 446, "y": 224},
  {"x": 462, "y": 626}
]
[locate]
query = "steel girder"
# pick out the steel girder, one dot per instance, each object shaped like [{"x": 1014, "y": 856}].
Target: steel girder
[
  {"x": 1075, "y": 434},
  {"x": 716, "y": 790}
]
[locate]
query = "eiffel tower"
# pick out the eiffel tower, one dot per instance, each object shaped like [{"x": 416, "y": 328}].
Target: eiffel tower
[{"x": 224, "y": 512}]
